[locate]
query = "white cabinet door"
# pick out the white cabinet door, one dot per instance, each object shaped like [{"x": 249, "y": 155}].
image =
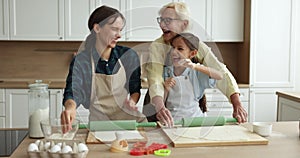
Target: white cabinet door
[
  {"x": 77, "y": 14},
  {"x": 141, "y": 17},
  {"x": 199, "y": 18},
  {"x": 2, "y": 122},
  {"x": 288, "y": 110},
  {"x": 36, "y": 19},
  {"x": 218, "y": 104},
  {"x": 272, "y": 51},
  {"x": 217, "y": 20},
  {"x": 227, "y": 20},
  {"x": 17, "y": 106},
  {"x": 2, "y": 108},
  {"x": 272, "y": 43},
  {"x": 4, "y": 23},
  {"x": 56, "y": 97},
  {"x": 263, "y": 104}
]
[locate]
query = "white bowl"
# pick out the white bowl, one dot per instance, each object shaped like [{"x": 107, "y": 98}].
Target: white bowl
[
  {"x": 262, "y": 128},
  {"x": 52, "y": 129}
]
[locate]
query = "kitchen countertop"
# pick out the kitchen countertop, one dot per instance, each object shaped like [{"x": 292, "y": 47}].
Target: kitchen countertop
[
  {"x": 295, "y": 96},
  {"x": 23, "y": 83},
  {"x": 283, "y": 142}
]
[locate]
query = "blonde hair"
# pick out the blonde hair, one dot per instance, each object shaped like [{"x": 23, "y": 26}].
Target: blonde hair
[{"x": 181, "y": 10}]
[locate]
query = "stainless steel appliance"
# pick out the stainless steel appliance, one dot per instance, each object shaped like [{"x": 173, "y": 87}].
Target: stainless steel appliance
[{"x": 10, "y": 139}]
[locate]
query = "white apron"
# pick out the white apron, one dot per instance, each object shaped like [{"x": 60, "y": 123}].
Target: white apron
[
  {"x": 108, "y": 95},
  {"x": 181, "y": 99}
]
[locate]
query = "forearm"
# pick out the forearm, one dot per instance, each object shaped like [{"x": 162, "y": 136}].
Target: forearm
[
  {"x": 228, "y": 86},
  {"x": 211, "y": 72},
  {"x": 155, "y": 79}
]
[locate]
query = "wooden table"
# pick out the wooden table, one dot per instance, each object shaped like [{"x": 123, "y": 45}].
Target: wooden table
[{"x": 284, "y": 142}]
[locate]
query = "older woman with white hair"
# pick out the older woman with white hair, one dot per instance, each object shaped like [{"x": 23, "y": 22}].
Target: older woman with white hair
[{"x": 174, "y": 19}]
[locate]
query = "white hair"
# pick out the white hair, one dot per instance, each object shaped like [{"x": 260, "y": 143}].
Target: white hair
[{"x": 181, "y": 10}]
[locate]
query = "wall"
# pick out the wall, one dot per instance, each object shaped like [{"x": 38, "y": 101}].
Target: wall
[{"x": 30, "y": 60}]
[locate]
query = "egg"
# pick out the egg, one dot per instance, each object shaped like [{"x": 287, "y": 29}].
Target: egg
[
  {"x": 60, "y": 144},
  {"x": 33, "y": 147},
  {"x": 66, "y": 149},
  {"x": 41, "y": 146},
  {"x": 82, "y": 147},
  {"x": 47, "y": 145},
  {"x": 37, "y": 142},
  {"x": 55, "y": 149},
  {"x": 75, "y": 148}
]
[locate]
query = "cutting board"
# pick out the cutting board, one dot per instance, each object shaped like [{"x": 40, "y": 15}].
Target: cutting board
[
  {"x": 213, "y": 136},
  {"x": 92, "y": 139}
]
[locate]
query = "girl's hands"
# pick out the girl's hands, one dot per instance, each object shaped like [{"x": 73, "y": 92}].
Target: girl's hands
[
  {"x": 187, "y": 63},
  {"x": 169, "y": 83}
]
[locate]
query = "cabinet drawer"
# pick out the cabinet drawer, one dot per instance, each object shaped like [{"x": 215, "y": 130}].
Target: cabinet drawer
[
  {"x": 2, "y": 95},
  {"x": 217, "y": 95},
  {"x": 226, "y": 112},
  {"x": 2, "y": 122},
  {"x": 222, "y": 108},
  {"x": 2, "y": 109}
]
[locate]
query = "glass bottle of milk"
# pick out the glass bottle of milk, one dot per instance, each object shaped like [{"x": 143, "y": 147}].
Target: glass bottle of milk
[{"x": 39, "y": 103}]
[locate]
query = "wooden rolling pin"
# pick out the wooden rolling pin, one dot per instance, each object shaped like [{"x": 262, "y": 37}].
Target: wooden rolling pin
[
  {"x": 118, "y": 125},
  {"x": 204, "y": 121}
]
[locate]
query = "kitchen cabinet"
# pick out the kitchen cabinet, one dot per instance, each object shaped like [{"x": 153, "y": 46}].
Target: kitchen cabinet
[
  {"x": 4, "y": 23},
  {"x": 138, "y": 26},
  {"x": 60, "y": 20},
  {"x": 272, "y": 51},
  {"x": 16, "y": 103},
  {"x": 221, "y": 20},
  {"x": 288, "y": 106},
  {"x": 218, "y": 104},
  {"x": 76, "y": 15},
  {"x": 36, "y": 20},
  {"x": 217, "y": 20},
  {"x": 2, "y": 108},
  {"x": 67, "y": 20}
]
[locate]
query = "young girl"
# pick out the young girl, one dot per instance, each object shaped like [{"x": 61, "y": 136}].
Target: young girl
[{"x": 186, "y": 79}]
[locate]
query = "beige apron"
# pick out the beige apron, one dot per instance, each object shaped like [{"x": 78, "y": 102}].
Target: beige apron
[{"x": 108, "y": 95}]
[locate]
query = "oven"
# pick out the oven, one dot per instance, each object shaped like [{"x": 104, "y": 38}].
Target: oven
[{"x": 10, "y": 140}]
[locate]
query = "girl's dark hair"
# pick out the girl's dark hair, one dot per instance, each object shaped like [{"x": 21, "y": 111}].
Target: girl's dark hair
[
  {"x": 101, "y": 16},
  {"x": 191, "y": 41}
]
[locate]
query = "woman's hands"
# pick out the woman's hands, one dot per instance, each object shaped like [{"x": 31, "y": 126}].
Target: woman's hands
[
  {"x": 130, "y": 104},
  {"x": 68, "y": 115},
  {"x": 163, "y": 114},
  {"x": 238, "y": 111}
]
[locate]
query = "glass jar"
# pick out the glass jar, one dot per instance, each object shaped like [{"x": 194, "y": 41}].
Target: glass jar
[{"x": 39, "y": 103}]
